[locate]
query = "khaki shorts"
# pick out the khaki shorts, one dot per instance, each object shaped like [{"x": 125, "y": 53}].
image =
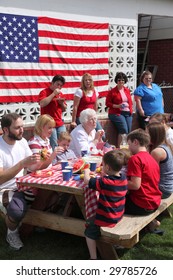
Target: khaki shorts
[{"x": 5, "y": 197}]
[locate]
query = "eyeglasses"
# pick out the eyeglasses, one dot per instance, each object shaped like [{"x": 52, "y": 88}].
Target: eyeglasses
[{"x": 119, "y": 80}]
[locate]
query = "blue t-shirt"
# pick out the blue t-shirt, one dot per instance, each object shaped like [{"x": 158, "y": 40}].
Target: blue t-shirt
[{"x": 151, "y": 99}]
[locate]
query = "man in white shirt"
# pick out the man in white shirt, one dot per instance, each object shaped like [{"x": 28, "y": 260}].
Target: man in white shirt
[{"x": 15, "y": 156}]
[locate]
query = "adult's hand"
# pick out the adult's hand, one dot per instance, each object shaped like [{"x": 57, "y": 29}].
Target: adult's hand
[
  {"x": 99, "y": 135},
  {"x": 31, "y": 160},
  {"x": 73, "y": 124}
]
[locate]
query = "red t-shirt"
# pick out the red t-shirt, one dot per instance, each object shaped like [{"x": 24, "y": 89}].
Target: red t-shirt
[
  {"x": 53, "y": 108},
  {"x": 144, "y": 166},
  {"x": 86, "y": 102}
]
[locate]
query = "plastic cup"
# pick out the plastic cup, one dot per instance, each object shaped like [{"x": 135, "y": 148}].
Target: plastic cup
[
  {"x": 93, "y": 166},
  {"x": 69, "y": 168},
  {"x": 84, "y": 153},
  {"x": 66, "y": 174},
  {"x": 64, "y": 163}
]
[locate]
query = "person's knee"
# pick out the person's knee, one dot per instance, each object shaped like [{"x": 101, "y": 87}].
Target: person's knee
[{"x": 17, "y": 207}]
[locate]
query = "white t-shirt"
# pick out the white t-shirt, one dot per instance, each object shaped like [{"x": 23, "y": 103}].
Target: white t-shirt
[
  {"x": 81, "y": 140},
  {"x": 11, "y": 155},
  {"x": 169, "y": 135},
  {"x": 79, "y": 93}
]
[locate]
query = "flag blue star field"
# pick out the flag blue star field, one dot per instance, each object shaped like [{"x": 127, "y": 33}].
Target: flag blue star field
[{"x": 34, "y": 49}]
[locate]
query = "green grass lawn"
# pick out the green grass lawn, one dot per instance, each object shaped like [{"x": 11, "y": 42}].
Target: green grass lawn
[{"x": 52, "y": 245}]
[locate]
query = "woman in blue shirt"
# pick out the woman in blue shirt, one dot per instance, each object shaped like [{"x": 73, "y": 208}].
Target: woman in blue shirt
[{"x": 148, "y": 97}]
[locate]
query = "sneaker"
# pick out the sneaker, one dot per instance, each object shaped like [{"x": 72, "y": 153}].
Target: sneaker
[{"x": 14, "y": 241}]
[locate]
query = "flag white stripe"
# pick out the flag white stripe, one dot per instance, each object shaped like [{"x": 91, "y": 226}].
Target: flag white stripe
[
  {"x": 36, "y": 91},
  {"x": 62, "y": 42},
  {"x": 60, "y": 54},
  {"x": 72, "y": 30},
  {"x": 53, "y": 66},
  {"x": 44, "y": 79}
]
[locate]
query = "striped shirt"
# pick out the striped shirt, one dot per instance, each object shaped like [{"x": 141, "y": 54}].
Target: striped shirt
[{"x": 111, "y": 203}]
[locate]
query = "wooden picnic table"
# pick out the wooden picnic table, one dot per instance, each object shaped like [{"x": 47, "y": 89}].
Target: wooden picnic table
[
  {"x": 125, "y": 233},
  {"x": 60, "y": 222}
]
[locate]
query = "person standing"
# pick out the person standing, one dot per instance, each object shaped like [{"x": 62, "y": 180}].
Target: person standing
[
  {"x": 119, "y": 103},
  {"x": 85, "y": 97},
  {"x": 149, "y": 99},
  {"x": 15, "y": 156},
  {"x": 52, "y": 103}
]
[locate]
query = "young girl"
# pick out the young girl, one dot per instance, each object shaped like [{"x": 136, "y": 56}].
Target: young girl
[
  {"x": 162, "y": 152},
  {"x": 162, "y": 118}
]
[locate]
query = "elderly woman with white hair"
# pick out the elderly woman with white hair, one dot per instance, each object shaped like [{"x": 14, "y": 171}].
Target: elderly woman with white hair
[{"x": 84, "y": 136}]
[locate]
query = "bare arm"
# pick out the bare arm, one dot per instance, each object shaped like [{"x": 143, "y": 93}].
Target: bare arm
[
  {"x": 29, "y": 162},
  {"x": 62, "y": 104},
  {"x": 45, "y": 101},
  {"x": 158, "y": 154},
  {"x": 96, "y": 105},
  {"x": 86, "y": 176},
  {"x": 76, "y": 102},
  {"x": 139, "y": 105},
  {"x": 134, "y": 183}
]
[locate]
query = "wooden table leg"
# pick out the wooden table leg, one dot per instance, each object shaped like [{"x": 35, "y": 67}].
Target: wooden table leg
[{"x": 107, "y": 251}]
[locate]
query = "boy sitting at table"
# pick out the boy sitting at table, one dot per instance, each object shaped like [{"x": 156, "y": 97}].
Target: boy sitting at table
[
  {"x": 143, "y": 173},
  {"x": 63, "y": 151},
  {"x": 112, "y": 188}
]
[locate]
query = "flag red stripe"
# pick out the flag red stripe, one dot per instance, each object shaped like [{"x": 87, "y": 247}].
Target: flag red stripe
[
  {"x": 30, "y": 85},
  {"x": 34, "y": 98},
  {"x": 73, "y": 48},
  {"x": 37, "y": 72},
  {"x": 74, "y": 24},
  {"x": 66, "y": 60},
  {"x": 69, "y": 36}
]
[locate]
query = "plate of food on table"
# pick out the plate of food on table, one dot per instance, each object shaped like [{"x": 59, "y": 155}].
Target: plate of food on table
[{"x": 42, "y": 173}]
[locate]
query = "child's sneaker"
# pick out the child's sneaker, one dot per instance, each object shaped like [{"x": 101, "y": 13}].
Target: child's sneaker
[{"x": 14, "y": 241}]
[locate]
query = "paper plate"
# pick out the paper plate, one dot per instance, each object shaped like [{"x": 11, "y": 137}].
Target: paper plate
[{"x": 42, "y": 174}]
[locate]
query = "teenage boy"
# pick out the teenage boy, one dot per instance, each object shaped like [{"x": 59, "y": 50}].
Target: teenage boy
[{"x": 143, "y": 174}]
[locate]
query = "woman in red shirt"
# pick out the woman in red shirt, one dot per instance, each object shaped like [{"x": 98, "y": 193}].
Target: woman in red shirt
[
  {"x": 119, "y": 103},
  {"x": 85, "y": 97}
]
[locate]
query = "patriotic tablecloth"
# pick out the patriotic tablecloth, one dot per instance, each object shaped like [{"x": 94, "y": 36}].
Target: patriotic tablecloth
[{"x": 90, "y": 196}]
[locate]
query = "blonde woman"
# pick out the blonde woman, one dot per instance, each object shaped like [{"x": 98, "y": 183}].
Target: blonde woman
[
  {"x": 85, "y": 97},
  {"x": 39, "y": 142},
  {"x": 42, "y": 132}
]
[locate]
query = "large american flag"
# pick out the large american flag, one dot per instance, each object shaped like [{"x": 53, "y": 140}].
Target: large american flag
[{"x": 34, "y": 49}]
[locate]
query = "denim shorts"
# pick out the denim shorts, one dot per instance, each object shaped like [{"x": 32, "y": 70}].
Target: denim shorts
[
  {"x": 92, "y": 231},
  {"x": 122, "y": 122},
  {"x": 17, "y": 207}
]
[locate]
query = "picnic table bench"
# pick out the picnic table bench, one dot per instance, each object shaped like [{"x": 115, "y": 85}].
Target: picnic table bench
[{"x": 125, "y": 233}]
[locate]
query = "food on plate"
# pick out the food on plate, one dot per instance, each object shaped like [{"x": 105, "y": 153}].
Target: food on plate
[
  {"x": 49, "y": 173},
  {"x": 42, "y": 173},
  {"x": 38, "y": 172},
  {"x": 43, "y": 154},
  {"x": 80, "y": 165}
]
